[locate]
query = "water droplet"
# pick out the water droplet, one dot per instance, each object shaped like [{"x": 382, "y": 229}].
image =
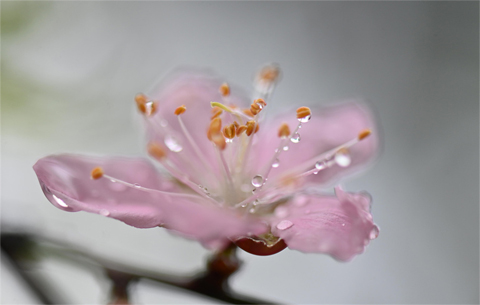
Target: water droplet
[
  {"x": 60, "y": 201},
  {"x": 252, "y": 210},
  {"x": 173, "y": 144},
  {"x": 284, "y": 224},
  {"x": 257, "y": 181},
  {"x": 137, "y": 185},
  {"x": 244, "y": 205},
  {"x": 320, "y": 165},
  {"x": 343, "y": 224},
  {"x": 104, "y": 212},
  {"x": 305, "y": 119},
  {"x": 228, "y": 140},
  {"x": 342, "y": 158},
  {"x": 260, "y": 105},
  {"x": 374, "y": 233},
  {"x": 295, "y": 138},
  {"x": 276, "y": 163},
  {"x": 256, "y": 202},
  {"x": 285, "y": 148}
]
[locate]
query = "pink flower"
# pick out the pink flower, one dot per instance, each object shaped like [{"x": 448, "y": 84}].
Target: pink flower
[{"x": 229, "y": 174}]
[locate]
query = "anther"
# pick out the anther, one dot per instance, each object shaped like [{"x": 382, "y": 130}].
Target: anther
[
  {"x": 216, "y": 112},
  {"x": 96, "y": 173},
  {"x": 229, "y": 131},
  {"x": 303, "y": 112},
  {"x": 241, "y": 129},
  {"x": 252, "y": 127},
  {"x": 144, "y": 105},
  {"x": 219, "y": 140},
  {"x": 140, "y": 98},
  {"x": 269, "y": 73},
  {"x": 214, "y": 128},
  {"x": 260, "y": 102},
  {"x": 156, "y": 151},
  {"x": 248, "y": 112},
  {"x": 180, "y": 110},
  {"x": 283, "y": 131},
  {"x": 224, "y": 89},
  {"x": 364, "y": 133}
]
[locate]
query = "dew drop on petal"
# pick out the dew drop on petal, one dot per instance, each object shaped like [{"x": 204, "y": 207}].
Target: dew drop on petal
[
  {"x": 374, "y": 233},
  {"x": 252, "y": 210},
  {"x": 104, "y": 212},
  {"x": 257, "y": 181},
  {"x": 136, "y": 185},
  {"x": 343, "y": 224},
  {"x": 60, "y": 201},
  {"x": 172, "y": 144},
  {"x": 284, "y": 224},
  {"x": 285, "y": 148},
  {"x": 295, "y": 138},
  {"x": 343, "y": 159},
  {"x": 276, "y": 163},
  {"x": 305, "y": 119},
  {"x": 320, "y": 165}
]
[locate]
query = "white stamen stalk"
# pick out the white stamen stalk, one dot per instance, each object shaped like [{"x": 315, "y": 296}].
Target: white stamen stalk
[
  {"x": 194, "y": 145},
  {"x": 145, "y": 189}
]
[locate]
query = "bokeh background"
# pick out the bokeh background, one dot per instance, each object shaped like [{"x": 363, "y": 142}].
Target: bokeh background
[{"x": 69, "y": 71}]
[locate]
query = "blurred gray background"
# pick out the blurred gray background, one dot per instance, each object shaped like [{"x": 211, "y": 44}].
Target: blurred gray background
[{"x": 70, "y": 71}]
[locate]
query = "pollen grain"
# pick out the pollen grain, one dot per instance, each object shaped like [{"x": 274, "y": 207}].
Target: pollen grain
[{"x": 96, "y": 173}]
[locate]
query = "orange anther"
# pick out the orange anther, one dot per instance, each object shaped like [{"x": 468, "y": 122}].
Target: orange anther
[
  {"x": 219, "y": 140},
  {"x": 283, "y": 131},
  {"x": 364, "y": 133},
  {"x": 303, "y": 112},
  {"x": 251, "y": 127},
  {"x": 141, "y": 98},
  {"x": 96, "y": 173},
  {"x": 241, "y": 129},
  {"x": 224, "y": 89},
  {"x": 214, "y": 128},
  {"x": 248, "y": 112},
  {"x": 269, "y": 73},
  {"x": 216, "y": 112},
  {"x": 261, "y": 102},
  {"x": 235, "y": 123},
  {"x": 180, "y": 110},
  {"x": 229, "y": 131},
  {"x": 255, "y": 109},
  {"x": 156, "y": 151}
]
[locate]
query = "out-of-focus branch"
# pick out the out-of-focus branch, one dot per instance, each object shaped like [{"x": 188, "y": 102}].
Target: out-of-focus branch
[{"x": 21, "y": 249}]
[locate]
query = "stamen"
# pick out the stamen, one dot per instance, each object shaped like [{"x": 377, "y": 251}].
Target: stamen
[
  {"x": 283, "y": 131},
  {"x": 304, "y": 114},
  {"x": 241, "y": 129},
  {"x": 269, "y": 73},
  {"x": 364, "y": 133},
  {"x": 219, "y": 140},
  {"x": 229, "y": 109},
  {"x": 215, "y": 127},
  {"x": 229, "y": 131},
  {"x": 180, "y": 110},
  {"x": 216, "y": 112},
  {"x": 257, "y": 106},
  {"x": 139, "y": 187},
  {"x": 96, "y": 173},
  {"x": 252, "y": 127},
  {"x": 224, "y": 89},
  {"x": 144, "y": 105},
  {"x": 156, "y": 151}
]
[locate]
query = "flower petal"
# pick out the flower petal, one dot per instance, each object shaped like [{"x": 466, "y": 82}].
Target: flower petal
[
  {"x": 340, "y": 226},
  {"x": 195, "y": 91},
  {"x": 65, "y": 180},
  {"x": 328, "y": 128}
]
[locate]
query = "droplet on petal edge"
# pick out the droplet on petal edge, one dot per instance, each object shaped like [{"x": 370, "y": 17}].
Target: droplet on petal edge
[
  {"x": 374, "y": 233},
  {"x": 284, "y": 224},
  {"x": 276, "y": 163},
  {"x": 305, "y": 119},
  {"x": 60, "y": 201},
  {"x": 104, "y": 212}
]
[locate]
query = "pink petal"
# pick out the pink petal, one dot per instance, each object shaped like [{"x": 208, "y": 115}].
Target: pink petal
[
  {"x": 65, "y": 180},
  {"x": 195, "y": 91},
  {"x": 340, "y": 226},
  {"x": 328, "y": 128}
]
